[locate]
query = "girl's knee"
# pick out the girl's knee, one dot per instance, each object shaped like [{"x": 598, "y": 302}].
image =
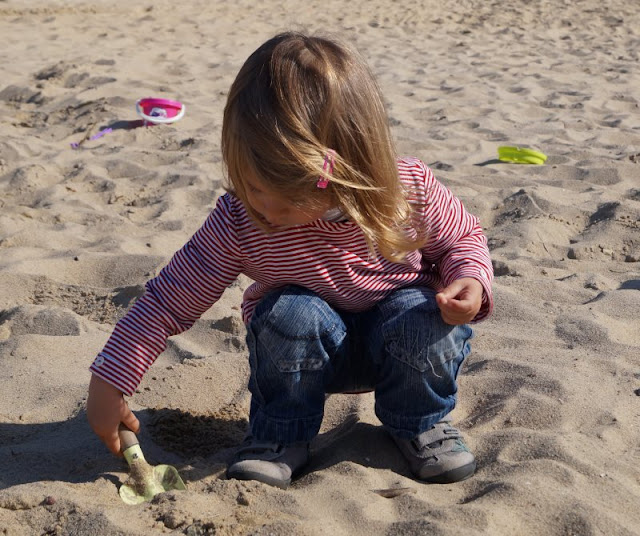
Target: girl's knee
[
  {"x": 406, "y": 299},
  {"x": 296, "y": 329},
  {"x": 415, "y": 334},
  {"x": 295, "y": 312}
]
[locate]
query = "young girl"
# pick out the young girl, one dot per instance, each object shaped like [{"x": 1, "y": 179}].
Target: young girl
[{"x": 367, "y": 271}]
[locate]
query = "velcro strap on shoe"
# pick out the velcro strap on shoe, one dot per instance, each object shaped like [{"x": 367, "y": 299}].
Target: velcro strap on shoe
[
  {"x": 259, "y": 451},
  {"x": 440, "y": 432}
]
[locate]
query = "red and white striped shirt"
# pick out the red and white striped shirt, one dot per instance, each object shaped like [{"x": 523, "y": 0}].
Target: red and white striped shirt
[{"x": 330, "y": 258}]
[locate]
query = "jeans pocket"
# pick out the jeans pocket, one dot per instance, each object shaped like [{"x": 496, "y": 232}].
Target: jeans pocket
[
  {"x": 425, "y": 342},
  {"x": 293, "y": 355}
]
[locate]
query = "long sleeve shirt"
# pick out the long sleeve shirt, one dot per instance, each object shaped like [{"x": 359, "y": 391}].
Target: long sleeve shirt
[{"x": 330, "y": 258}]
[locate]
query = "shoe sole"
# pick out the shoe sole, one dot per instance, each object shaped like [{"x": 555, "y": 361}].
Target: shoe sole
[
  {"x": 259, "y": 477},
  {"x": 455, "y": 475}
]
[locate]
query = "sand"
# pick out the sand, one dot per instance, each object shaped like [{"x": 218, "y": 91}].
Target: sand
[{"x": 550, "y": 396}]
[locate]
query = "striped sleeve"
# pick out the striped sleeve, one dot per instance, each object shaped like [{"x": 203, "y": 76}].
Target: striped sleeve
[
  {"x": 456, "y": 242},
  {"x": 191, "y": 283}
]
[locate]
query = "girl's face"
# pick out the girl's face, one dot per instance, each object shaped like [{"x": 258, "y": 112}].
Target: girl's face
[{"x": 277, "y": 212}]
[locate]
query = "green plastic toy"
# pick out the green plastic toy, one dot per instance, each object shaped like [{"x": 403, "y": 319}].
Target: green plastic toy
[{"x": 520, "y": 155}]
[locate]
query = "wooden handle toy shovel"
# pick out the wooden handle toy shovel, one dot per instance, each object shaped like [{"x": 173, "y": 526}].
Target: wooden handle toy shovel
[{"x": 145, "y": 481}]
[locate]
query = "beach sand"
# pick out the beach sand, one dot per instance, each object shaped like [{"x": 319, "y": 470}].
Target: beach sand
[{"x": 549, "y": 399}]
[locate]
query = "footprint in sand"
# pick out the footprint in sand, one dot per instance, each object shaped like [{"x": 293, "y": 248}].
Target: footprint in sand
[{"x": 41, "y": 320}]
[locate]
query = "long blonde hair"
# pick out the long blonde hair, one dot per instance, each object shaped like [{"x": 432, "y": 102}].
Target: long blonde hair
[{"x": 298, "y": 97}]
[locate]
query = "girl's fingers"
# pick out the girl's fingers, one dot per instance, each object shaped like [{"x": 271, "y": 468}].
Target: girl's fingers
[
  {"x": 455, "y": 312},
  {"x": 131, "y": 421},
  {"x": 113, "y": 444}
]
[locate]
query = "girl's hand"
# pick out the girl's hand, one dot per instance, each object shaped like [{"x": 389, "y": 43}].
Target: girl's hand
[
  {"x": 106, "y": 409},
  {"x": 460, "y": 302}
]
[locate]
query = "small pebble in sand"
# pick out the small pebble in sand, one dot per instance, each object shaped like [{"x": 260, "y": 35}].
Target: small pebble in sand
[
  {"x": 390, "y": 493},
  {"x": 49, "y": 500}
]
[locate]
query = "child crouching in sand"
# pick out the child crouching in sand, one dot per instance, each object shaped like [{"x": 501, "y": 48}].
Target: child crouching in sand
[{"x": 367, "y": 271}]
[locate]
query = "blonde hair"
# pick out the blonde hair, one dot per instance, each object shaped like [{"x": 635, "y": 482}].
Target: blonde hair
[{"x": 298, "y": 97}]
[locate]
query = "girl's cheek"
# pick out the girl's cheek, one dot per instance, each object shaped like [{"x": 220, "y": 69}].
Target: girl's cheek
[{"x": 253, "y": 201}]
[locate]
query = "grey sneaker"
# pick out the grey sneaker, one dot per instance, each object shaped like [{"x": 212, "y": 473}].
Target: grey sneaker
[
  {"x": 438, "y": 455},
  {"x": 267, "y": 462}
]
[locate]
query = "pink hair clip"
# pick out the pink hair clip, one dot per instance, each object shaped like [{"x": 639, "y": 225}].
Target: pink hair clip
[{"x": 329, "y": 160}]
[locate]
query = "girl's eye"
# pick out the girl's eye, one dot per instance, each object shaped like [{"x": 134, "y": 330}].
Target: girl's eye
[{"x": 254, "y": 189}]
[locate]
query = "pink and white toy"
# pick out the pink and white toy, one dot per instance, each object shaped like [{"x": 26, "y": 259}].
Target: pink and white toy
[{"x": 155, "y": 111}]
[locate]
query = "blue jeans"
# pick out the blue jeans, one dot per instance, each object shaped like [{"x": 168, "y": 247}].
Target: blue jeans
[{"x": 300, "y": 349}]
